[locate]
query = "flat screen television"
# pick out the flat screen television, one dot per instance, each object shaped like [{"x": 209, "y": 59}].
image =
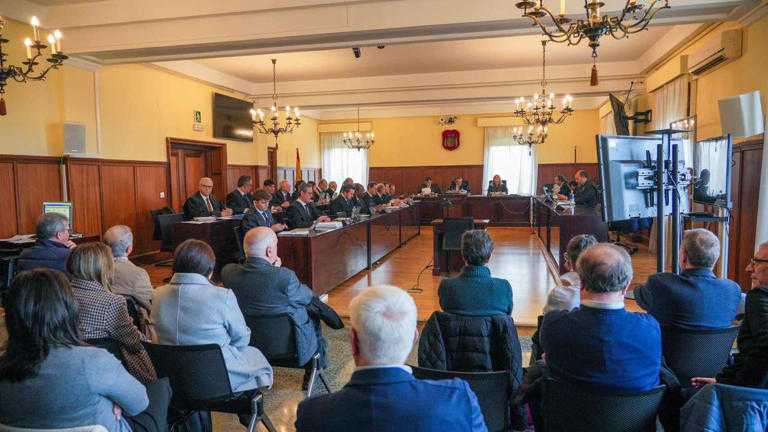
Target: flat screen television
[
  {"x": 232, "y": 118},
  {"x": 620, "y": 120},
  {"x": 626, "y": 183},
  {"x": 712, "y": 160}
]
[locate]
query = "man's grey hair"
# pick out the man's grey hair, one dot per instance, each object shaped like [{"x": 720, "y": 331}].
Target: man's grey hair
[
  {"x": 577, "y": 245},
  {"x": 119, "y": 238},
  {"x": 476, "y": 247},
  {"x": 257, "y": 240},
  {"x": 702, "y": 248},
  {"x": 384, "y": 319},
  {"x": 50, "y": 224},
  {"x": 604, "y": 268}
]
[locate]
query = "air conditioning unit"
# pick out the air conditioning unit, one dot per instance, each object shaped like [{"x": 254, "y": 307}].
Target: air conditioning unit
[{"x": 719, "y": 50}]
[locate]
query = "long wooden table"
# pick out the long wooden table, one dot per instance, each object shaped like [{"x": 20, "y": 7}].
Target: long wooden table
[
  {"x": 503, "y": 210},
  {"x": 557, "y": 225}
]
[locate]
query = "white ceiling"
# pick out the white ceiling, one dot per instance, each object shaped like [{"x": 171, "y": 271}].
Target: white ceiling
[
  {"x": 62, "y": 2},
  {"x": 429, "y": 57}
]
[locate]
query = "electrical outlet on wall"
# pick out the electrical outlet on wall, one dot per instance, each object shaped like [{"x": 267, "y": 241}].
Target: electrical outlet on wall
[{"x": 162, "y": 194}]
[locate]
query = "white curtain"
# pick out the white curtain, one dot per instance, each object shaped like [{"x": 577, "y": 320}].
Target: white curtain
[
  {"x": 607, "y": 126},
  {"x": 672, "y": 105},
  {"x": 340, "y": 162},
  {"x": 513, "y": 162}
]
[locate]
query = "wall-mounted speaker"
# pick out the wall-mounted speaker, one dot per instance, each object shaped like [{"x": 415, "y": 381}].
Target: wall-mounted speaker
[
  {"x": 74, "y": 138},
  {"x": 742, "y": 115}
]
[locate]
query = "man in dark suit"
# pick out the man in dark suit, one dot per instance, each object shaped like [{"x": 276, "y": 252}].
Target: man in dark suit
[
  {"x": 240, "y": 200},
  {"x": 359, "y": 199},
  {"x": 52, "y": 246},
  {"x": 695, "y": 298},
  {"x": 367, "y": 198},
  {"x": 585, "y": 192},
  {"x": 474, "y": 291},
  {"x": 263, "y": 287},
  {"x": 601, "y": 345},
  {"x": 459, "y": 185},
  {"x": 203, "y": 203},
  {"x": 331, "y": 191},
  {"x": 282, "y": 198},
  {"x": 429, "y": 184},
  {"x": 381, "y": 195},
  {"x": 301, "y": 213},
  {"x": 260, "y": 216},
  {"x": 382, "y": 395},
  {"x": 343, "y": 202}
]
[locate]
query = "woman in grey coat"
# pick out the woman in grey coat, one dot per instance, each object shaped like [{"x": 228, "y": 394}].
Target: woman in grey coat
[{"x": 192, "y": 311}]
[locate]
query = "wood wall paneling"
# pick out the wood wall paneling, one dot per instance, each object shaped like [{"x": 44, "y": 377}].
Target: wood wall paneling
[
  {"x": 118, "y": 195},
  {"x": 8, "y": 226},
  {"x": 194, "y": 169},
  {"x": 409, "y": 179},
  {"x": 235, "y": 171},
  {"x": 84, "y": 189},
  {"x": 262, "y": 173},
  {"x": 174, "y": 183},
  {"x": 151, "y": 181},
  {"x": 547, "y": 172},
  {"x": 36, "y": 182}
]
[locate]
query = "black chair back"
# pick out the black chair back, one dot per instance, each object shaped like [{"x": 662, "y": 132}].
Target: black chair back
[
  {"x": 197, "y": 373},
  {"x": 493, "y": 391},
  {"x": 109, "y": 344},
  {"x": 8, "y": 260},
  {"x": 569, "y": 407},
  {"x": 154, "y": 214},
  {"x": 696, "y": 353},
  {"x": 239, "y": 236},
  {"x": 274, "y": 336},
  {"x": 454, "y": 228},
  {"x": 166, "y": 222}
]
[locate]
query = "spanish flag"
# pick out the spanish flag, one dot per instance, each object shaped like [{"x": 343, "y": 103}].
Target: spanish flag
[{"x": 298, "y": 165}]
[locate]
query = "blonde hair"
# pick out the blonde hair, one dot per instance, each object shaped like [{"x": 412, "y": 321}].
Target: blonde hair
[{"x": 92, "y": 262}]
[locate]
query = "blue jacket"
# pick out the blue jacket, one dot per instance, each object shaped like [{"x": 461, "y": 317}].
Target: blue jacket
[
  {"x": 605, "y": 349},
  {"x": 391, "y": 399},
  {"x": 475, "y": 292},
  {"x": 694, "y": 299},
  {"x": 721, "y": 407},
  {"x": 263, "y": 289},
  {"x": 44, "y": 254}
]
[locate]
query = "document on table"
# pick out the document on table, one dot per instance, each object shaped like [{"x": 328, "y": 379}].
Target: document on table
[{"x": 297, "y": 232}]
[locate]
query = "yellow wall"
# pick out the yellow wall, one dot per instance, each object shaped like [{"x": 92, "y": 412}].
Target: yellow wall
[
  {"x": 746, "y": 74},
  {"x": 416, "y": 141}
]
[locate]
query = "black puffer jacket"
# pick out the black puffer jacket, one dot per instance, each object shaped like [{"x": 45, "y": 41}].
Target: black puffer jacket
[{"x": 471, "y": 344}]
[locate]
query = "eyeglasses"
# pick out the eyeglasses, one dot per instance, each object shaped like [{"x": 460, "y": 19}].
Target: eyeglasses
[{"x": 759, "y": 260}]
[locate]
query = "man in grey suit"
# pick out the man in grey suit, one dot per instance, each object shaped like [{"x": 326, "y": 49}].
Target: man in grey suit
[{"x": 263, "y": 287}]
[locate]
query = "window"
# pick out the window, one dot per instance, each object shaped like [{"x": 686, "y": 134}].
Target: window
[
  {"x": 340, "y": 162},
  {"x": 515, "y": 163},
  {"x": 672, "y": 105}
]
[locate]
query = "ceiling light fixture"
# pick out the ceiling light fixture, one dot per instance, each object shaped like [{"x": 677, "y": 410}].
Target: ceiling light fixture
[
  {"x": 292, "y": 117},
  {"x": 534, "y": 136},
  {"x": 634, "y": 18},
  {"x": 356, "y": 140}
]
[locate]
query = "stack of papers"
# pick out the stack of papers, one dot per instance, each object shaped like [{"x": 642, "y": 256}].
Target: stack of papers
[
  {"x": 327, "y": 226},
  {"x": 295, "y": 232},
  {"x": 19, "y": 238}
]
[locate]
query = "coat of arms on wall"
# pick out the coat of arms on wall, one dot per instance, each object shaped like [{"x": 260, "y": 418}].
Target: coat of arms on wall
[{"x": 451, "y": 139}]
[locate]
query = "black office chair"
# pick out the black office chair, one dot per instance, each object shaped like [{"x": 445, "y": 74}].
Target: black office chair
[
  {"x": 696, "y": 353},
  {"x": 569, "y": 407},
  {"x": 275, "y": 337},
  {"x": 111, "y": 345},
  {"x": 165, "y": 223},
  {"x": 493, "y": 391},
  {"x": 200, "y": 382},
  {"x": 453, "y": 229},
  {"x": 8, "y": 259}
]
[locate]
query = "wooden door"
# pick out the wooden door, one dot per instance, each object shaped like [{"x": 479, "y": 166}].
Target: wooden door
[
  {"x": 194, "y": 169},
  {"x": 175, "y": 175},
  {"x": 188, "y": 161},
  {"x": 272, "y": 163}
]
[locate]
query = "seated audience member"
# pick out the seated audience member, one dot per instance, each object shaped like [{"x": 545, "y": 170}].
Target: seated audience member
[
  {"x": 128, "y": 279},
  {"x": 301, "y": 213},
  {"x": 562, "y": 188},
  {"x": 297, "y": 187},
  {"x": 429, "y": 184},
  {"x": 103, "y": 314},
  {"x": 261, "y": 216},
  {"x": 459, "y": 185},
  {"x": 497, "y": 186},
  {"x": 192, "y": 311},
  {"x": 359, "y": 199},
  {"x": 750, "y": 365},
  {"x": 203, "y": 203},
  {"x": 51, "y": 379},
  {"x": 601, "y": 345},
  {"x": 696, "y": 298},
  {"x": 343, "y": 203},
  {"x": 474, "y": 291},
  {"x": 331, "y": 191},
  {"x": 282, "y": 198},
  {"x": 263, "y": 287},
  {"x": 52, "y": 246},
  {"x": 566, "y": 296},
  {"x": 382, "y": 395},
  {"x": 240, "y": 199}
]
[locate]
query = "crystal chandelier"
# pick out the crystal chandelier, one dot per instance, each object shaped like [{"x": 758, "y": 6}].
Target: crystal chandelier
[
  {"x": 272, "y": 126},
  {"x": 356, "y": 140},
  {"x": 541, "y": 110},
  {"x": 634, "y": 18},
  {"x": 28, "y": 72},
  {"x": 533, "y": 136}
]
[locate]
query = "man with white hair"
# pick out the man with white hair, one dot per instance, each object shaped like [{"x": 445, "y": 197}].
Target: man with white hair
[
  {"x": 382, "y": 394},
  {"x": 203, "y": 203},
  {"x": 263, "y": 287},
  {"x": 696, "y": 298},
  {"x": 129, "y": 279}
]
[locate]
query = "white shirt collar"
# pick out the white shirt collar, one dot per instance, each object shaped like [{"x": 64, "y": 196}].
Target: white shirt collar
[
  {"x": 403, "y": 367},
  {"x": 603, "y": 305}
]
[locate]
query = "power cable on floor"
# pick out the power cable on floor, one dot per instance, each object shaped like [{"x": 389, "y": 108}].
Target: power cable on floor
[{"x": 415, "y": 288}]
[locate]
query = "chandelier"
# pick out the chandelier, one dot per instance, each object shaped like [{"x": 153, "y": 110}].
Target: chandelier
[
  {"x": 634, "y": 18},
  {"x": 272, "y": 126},
  {"x": 533, "y": 136},
  {"x": 356, "y": 140},
  {"x": 541, "y": 110},
  {"x": 28, "y": 72}
]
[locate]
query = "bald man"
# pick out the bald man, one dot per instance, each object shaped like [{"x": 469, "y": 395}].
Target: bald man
[
  {"x": 203, "y": 203},
  {"x": 263, "y": 287}
]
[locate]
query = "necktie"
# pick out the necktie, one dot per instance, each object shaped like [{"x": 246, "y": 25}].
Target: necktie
[
  {"x": 268, "y": 218},
  {"x": 208, "y": 204}
]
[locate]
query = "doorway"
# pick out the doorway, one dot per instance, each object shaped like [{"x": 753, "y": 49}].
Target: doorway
[
  {"x": 188, "y": 161},
  {"x": 272, "y": 163}
]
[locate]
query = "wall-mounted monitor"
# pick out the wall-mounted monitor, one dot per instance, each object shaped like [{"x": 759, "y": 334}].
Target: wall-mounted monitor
[
  {"x": 712, "y": 160},
  {"x": 232, "y": 118}
]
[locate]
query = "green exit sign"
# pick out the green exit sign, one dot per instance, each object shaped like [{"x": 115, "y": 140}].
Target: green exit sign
[{"x": 198, "y": 117}]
